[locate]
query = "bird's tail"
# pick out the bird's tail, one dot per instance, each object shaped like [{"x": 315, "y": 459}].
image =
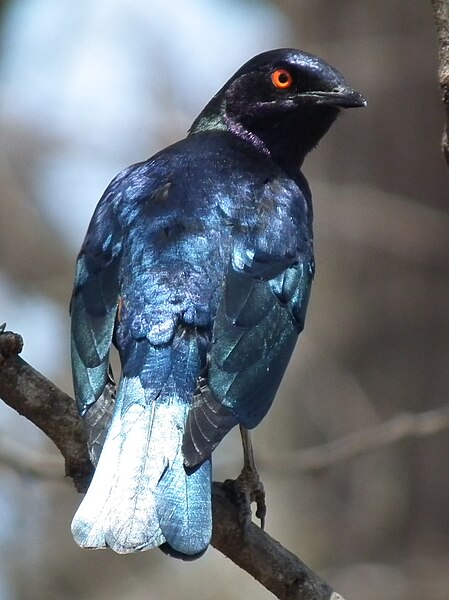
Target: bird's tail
[{"x": 141, "y": 495}]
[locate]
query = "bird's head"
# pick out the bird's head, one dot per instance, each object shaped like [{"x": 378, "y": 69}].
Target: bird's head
[{"x": 283, "y": 101}]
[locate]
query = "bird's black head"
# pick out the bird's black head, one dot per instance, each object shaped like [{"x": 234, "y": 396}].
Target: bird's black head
[{"x": 282, "y": 101}]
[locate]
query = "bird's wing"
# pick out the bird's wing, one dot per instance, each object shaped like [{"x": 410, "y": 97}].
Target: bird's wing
[
  {"x": 255, "y": 332},
  {"x": 260, "y": 315},
  {"x": 165, "y": 269},
  {"x": 93, "y": 311}
]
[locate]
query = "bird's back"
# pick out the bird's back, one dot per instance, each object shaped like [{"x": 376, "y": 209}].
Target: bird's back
[{"x": 214, "y": 258}]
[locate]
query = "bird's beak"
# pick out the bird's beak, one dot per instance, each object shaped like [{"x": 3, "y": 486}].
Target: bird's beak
[{"x": 340, "y": 96}]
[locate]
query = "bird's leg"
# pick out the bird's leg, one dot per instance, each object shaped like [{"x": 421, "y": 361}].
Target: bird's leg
[
  {"x": 249, "y": 477},
  {"x": 248, "y": 487}
]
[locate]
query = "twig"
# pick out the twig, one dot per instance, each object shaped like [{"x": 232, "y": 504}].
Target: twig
[
  {"x": 54, "y": 412},
  {"x": 401, "y": 427},
  {"x": 28, "y": 463}
]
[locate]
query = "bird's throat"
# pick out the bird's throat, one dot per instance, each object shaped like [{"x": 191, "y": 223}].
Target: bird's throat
[{"x": 218, "y": 120}]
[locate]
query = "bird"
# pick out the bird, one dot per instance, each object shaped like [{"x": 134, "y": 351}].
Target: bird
[{"x": 197, "y": 266}]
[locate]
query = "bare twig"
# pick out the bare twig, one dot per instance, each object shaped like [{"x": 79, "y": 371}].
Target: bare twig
[
  {"x": 29, "y": 463},
  {"x": 401, "y": 427},
  {"x": 54, "y": 412},
  {"x": 441, "y": 15}
]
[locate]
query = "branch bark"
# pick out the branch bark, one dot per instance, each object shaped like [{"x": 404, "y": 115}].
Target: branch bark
[
  {"x": 32, "y": 395},
  {"x": 441, "y": 16}
]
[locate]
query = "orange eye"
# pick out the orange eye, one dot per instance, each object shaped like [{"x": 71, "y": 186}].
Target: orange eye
[{"x": 281, "y": 79}]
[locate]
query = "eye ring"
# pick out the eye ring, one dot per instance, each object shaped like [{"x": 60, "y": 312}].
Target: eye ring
[{"x": 282, "y": 79}]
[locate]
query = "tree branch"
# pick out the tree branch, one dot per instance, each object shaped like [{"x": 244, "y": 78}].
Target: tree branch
[
  {"x": 32, "y": 395},
  {"x": 441, "y": 16},
  {"x": 54, "y": 412}
]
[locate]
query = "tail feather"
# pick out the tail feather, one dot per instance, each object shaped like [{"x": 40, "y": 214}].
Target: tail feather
[
  {"x": 185, "y": 517},
  {"x": 141, "y": 495}
]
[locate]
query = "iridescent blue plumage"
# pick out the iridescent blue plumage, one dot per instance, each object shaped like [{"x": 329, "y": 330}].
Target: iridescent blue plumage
[{"x": 197, "y": 265}]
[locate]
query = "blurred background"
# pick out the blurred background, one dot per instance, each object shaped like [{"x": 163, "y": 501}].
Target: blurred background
[{"x": 87, "y": 88}]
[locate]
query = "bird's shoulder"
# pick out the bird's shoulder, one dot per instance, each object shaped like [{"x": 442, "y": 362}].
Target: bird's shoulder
[{"x": 208, "y": 169}]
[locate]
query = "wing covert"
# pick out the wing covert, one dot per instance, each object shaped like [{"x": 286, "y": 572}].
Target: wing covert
[
  {"x": 255, "y": 331},
  {"x": 248, "y": 361}
]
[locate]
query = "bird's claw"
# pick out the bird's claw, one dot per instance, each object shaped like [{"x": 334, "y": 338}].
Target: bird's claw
[
  {"x": 251, "y": 488},
  {"x": 248, "y": 487},
  {"x": 245, "y": 490}
]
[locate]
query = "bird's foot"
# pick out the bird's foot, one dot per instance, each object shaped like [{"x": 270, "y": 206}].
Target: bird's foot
[
  {"x": 251, "y": 488},
  {"x": 245, "y": 490}
]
